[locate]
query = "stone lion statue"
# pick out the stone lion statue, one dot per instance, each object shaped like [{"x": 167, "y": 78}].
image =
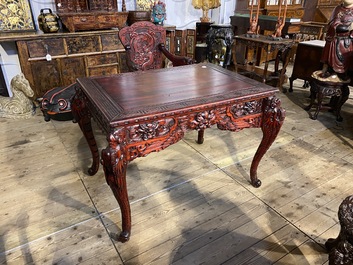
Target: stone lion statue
[{"x": 20, "y": 105}]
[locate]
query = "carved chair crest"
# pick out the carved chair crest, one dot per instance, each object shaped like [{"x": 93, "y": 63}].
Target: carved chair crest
[{"x": 141, "y": 41}]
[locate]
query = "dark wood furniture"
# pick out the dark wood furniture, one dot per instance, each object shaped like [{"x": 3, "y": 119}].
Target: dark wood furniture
[
  {"x": 201, "y": 47},
  {"x": 201, "y": 31},
  {"x": 319, "y": 89},
  {"x": 241, "y": 23},
  {"x": 270, "y": 7},
  {"x": 307, "y": 60},
  {"x": 294, "y": 7},
  {"x": 91, "y": 14},
  {"x": 324, "y": 10},
  {"x": 250, "y": 66},
  {"x": 72, "y": 55},
  {"x": 144, "y": 43},
  {"x": 144, "y": 112},
  {"x": 185, "y": 42}
]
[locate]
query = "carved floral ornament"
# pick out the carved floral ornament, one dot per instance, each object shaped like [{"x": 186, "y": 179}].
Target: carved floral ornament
[{"x": 144, "y": 5}]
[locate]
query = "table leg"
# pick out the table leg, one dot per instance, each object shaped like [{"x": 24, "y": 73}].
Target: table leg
[
  {"x": 114, "y": 161},
  {"x": 341, "y": 100},
  {"x": 200, "y": 136},
  {"x": 82, "y": 116},
  {"x": 268, "y": 51},
  {"x": 272, "y": 120}
]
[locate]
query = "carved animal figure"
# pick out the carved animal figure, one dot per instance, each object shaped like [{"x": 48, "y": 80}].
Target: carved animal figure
[{"x": 20, "y": 105}]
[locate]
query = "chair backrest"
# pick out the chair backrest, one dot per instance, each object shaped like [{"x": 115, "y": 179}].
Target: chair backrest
[{"x": 141, "y": 41}]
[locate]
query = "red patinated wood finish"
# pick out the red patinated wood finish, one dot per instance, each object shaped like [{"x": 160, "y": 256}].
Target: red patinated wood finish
[
  {"x": 144, "y": 43},
  {"x": 144, "y": 112}
]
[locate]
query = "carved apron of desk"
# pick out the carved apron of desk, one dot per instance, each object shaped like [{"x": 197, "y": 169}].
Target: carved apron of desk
[{"x": 139, "y": 137}]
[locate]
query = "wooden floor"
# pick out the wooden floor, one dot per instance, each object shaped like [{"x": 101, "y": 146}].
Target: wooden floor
[{"x": 191, "y": 204}]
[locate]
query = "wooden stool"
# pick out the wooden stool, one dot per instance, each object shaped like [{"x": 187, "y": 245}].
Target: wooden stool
[
  {"x": 341, "y": 248},
  {"x": 320, "y": 88}
]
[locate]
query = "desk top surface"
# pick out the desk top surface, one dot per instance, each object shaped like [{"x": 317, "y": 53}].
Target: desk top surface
[
  {"x": 264, "y": 39},
  {"x": 128, "y": 96},
  {"x": 319, "y": 43}
]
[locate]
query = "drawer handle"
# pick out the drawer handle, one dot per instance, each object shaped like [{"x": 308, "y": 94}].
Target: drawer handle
[{"x": 83, "y": 19}]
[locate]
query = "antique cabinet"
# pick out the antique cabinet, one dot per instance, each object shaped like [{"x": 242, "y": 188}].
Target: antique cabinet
[
  {"x": 185, "y": 41},
  {"x": 307, "y": 60},
  {"x": 294, "y": 8},
  {"x": 324, "y": 9},
  {"x": 51, "y": 60},
  {"x": 91, "y": 14}
]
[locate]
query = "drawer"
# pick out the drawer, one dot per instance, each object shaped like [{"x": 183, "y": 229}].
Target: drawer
[
  {"x": 77, "y": 20},
  {"x": 104, "y": 70},
  {"x": 109, "y": 58},
  {"x": 108, "y": 19},
  {"x": 83, "y": 44},
  {"x": 111, "y": 42},
  {"x": 37, "y": 48}
]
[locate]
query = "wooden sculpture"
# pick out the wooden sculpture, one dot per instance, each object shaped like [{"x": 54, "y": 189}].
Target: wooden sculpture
[
  {"x": 277, "y": 34},
  {"x": 254, "y": 28}
]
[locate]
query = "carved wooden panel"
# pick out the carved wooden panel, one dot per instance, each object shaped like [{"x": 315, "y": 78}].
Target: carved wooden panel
[
  {"x": 83, "y": 44},
  {"x": 109, "y": 58},
  {"x": 40, "y": 48},
  {"x": 328, "y": 2},
  {"x": 123, "y": 63},
  {"x": 72, "y": 56},
  {"x": 190, "y": 43},
  {"x": 72, "y": 68},
  {"x": 180, "y": 42},
  {"x": 46, "y": 75},
  {"x": 111, "y": 42},
  {"x": 103, "y": 70}
]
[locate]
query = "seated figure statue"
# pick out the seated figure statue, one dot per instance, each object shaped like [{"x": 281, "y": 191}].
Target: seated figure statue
[{"x": 337, "y": 56}]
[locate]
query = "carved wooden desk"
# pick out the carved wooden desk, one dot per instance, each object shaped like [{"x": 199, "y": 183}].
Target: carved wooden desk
[
  {"x": 281, "y": 47},
  {"x": 143, "y": 112}
]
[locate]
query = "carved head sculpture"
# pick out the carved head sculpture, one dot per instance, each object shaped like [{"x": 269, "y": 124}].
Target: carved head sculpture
[
  {"x": 158, "y": 13},
  {"x": 20, "y": 105}
]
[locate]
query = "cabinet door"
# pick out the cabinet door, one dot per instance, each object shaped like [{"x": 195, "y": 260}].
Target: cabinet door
[
  {"x": 72, "y": 68},
  {"x": 83, "y": 44},
  {"x": 111, "y": 42},
  {"x": 180, "y": 41},
  {"x": 46, "y": 75},
  {"x": 190, "y": 43}
]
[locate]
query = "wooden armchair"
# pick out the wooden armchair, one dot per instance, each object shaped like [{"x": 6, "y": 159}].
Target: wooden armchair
[{"x": 145, "y": 49}]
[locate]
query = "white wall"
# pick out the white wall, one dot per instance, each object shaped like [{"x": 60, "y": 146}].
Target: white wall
[{"x": 180, "y": 13}]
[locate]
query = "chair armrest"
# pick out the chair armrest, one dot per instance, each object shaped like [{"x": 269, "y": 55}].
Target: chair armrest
[{"x": 175, "y": 59}]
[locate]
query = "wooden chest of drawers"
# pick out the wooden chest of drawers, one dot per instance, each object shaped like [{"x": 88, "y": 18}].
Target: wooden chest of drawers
[
  {"x": 71, "y": 55},
  {"x": 93, "y": 20},
  {"x": 91, "y": 14}
]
